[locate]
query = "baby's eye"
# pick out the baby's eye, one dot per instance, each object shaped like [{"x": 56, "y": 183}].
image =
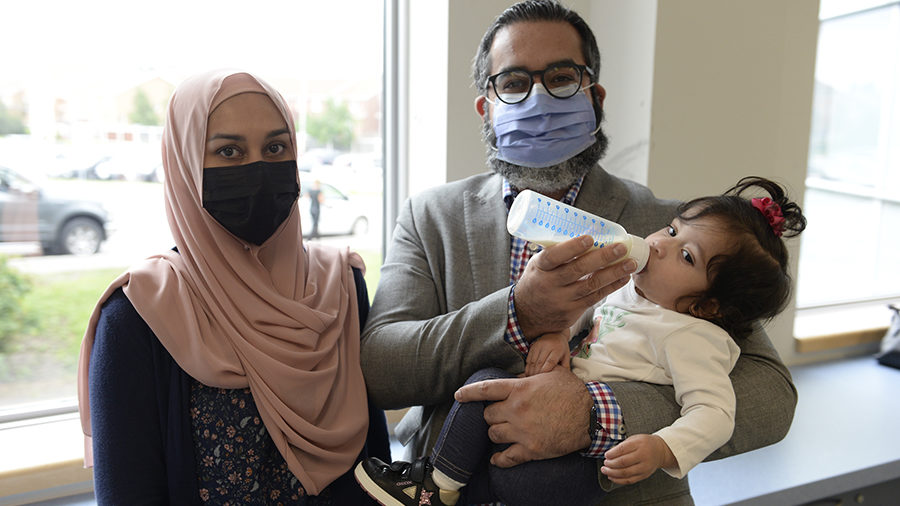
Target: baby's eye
[
  {"x": 229, "y": 152},
  {"x": 671, "y": 230},
  {"x": 687, "y": 256}
]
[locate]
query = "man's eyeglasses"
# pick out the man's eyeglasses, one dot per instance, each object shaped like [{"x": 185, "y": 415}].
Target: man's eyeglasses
[{"x": 561, "y": 81}]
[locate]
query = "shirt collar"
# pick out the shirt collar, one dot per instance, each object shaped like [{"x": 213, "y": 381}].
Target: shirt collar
[{"x": 509, "y": 194}]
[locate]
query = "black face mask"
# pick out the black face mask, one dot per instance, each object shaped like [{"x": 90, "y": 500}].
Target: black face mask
[{"x": 251, "y": 201}]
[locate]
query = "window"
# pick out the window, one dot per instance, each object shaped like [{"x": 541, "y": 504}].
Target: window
[
  {"x": 849, "y": 252},
  {"x": 83, "y": 95}
]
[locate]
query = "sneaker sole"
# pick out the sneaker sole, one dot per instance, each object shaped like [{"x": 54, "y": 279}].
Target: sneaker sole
[{"x": 372, "y": 488}]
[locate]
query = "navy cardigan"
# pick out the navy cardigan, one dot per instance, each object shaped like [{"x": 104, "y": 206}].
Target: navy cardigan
[{"x": 146, "y": 452}]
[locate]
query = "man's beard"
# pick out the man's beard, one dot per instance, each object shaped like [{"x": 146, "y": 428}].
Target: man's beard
[{"x": 544, "y": 179}]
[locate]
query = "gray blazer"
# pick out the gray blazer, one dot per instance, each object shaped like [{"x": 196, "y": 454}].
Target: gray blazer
[{"x": 439, "y": 315}]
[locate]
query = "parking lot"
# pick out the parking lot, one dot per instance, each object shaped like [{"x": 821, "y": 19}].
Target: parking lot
[{"x": 139, "y": 228}]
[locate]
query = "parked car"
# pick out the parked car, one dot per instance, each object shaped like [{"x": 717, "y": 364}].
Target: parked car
[
  {"x": 32, "y": 213},
  {"x": 339, "y": 214},
  {"x": 357, "y": 172},
  {"x": 128, "y": 167},
  {"x": 122, "y": 166},
  {"x": 316, "y": 157}
]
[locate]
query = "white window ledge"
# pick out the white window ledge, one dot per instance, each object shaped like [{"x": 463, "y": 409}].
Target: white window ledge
[
  {"x": 42, "y": 459},
  {"x": 845, "y": 325}
]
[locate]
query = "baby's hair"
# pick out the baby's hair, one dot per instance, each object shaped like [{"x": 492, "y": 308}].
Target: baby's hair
[{"x": 750, "y": 282}]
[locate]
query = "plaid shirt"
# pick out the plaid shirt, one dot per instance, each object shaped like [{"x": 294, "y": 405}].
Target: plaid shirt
[{"x": 609, "y": 416}]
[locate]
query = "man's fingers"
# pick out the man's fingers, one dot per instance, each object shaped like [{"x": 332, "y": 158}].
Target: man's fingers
[
  {"x": 488, "y": 390},
  {"x": 554, "y": 256},
  {"x": 603, "y": 277},
  {"x": 514, "y": 455},
  {"x": 501, "y": 432},
  {"x": 601, "y": 285},
  {"x": 599, "y": 260}
]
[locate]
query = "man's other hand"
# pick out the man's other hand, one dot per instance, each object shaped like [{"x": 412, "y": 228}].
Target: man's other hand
[{"x": 542, "y": 416}]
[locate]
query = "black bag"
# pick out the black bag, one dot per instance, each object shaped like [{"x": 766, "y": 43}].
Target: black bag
[{"x": 890, "y": 344}]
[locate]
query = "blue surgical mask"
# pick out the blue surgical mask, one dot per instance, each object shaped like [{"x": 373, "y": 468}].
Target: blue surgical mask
[{"x": 544, "y": 130}]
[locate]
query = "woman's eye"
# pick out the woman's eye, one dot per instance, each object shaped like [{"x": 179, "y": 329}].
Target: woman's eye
[
  {"x": 687, "y": 256},
  {"x": 275, "y": 149},
  {"x": 228, "y": 152},
  {"x": 671, "y": 230}
]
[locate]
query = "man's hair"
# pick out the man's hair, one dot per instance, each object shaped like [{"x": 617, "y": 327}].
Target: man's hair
[{"x": 534, "y": 10}]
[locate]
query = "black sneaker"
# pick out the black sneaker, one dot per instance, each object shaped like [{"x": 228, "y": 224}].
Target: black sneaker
[{"x": 400, "y": 483}]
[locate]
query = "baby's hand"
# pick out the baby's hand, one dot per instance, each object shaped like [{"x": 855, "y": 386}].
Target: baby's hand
[
  {"x": 547, "y": 352},
  {"x": 636, "y": 458}
]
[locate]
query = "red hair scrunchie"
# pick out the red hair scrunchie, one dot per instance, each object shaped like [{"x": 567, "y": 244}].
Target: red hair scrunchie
[{"x": 772, "y": 212}]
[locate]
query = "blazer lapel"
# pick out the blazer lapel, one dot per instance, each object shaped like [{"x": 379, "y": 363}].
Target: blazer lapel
[
  {"x": 600, "y": 195},
  {"x": 485, "y": 222}
]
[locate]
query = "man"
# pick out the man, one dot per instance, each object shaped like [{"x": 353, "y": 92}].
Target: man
[
  {"x": 316, "y": 197},
  {"x": 457, "y": 294}
]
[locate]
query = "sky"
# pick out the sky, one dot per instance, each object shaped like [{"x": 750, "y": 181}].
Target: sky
[
  {"x": 87, "y": 52},
  {"x": 61, "y": 40}
]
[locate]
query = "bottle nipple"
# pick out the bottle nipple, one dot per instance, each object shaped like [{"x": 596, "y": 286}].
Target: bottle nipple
[{"x": 640, "y": 252}]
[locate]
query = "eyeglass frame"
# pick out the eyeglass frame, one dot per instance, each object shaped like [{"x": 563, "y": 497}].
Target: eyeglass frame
[{"x": 491, "y": 82}]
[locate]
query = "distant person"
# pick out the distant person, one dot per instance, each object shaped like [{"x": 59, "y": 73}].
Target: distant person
[
  {"x": 316, "y": 198},
  {"x": 712, "y": 273},
  {"x": 227, "y": 370}
]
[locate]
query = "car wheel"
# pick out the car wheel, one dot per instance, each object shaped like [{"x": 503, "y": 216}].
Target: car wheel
[
  {"x": 360, "y": 226},
  {"x": 80, "y": 236}
]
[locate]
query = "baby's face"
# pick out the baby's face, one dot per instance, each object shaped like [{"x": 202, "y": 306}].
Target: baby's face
[{"x": 679, "y": 254}]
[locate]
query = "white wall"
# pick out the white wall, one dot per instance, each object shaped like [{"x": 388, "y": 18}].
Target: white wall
[
  {"x": 626, "y": 36},
  {"x": 732, "y": 93},
  {"x": 444, "y": 135},
  {"x": 428, "y": 95}
]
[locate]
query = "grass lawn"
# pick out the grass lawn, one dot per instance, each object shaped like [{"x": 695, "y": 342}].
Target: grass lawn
[{"x": 42, "y": 363}]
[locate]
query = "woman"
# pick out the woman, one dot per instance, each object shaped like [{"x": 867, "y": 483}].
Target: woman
[{"x": 227, "y": 370}]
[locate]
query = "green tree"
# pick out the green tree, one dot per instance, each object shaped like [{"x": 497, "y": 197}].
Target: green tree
[
  {"x": 10, "y": 123},
  {"x": 143, "y": 113},
  {"x": 333, "y": 127},
  {"x": 15, "y": 321}
]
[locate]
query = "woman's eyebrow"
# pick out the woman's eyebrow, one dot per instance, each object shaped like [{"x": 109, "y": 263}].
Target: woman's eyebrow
[
  {"x": 231, "y": 137},
  {"x": 276, "y": 133},
  {"x": 234, "y": 137}
]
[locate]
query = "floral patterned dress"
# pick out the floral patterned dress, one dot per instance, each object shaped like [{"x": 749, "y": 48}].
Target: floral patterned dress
[{"x": 237, "y": 461}]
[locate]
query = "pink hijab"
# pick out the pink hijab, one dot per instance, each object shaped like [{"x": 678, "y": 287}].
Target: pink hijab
[{"x": 277, "y": 318}]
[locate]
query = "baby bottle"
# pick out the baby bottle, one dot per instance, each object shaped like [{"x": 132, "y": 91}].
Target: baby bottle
[{"x": 546, "y": 221}]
